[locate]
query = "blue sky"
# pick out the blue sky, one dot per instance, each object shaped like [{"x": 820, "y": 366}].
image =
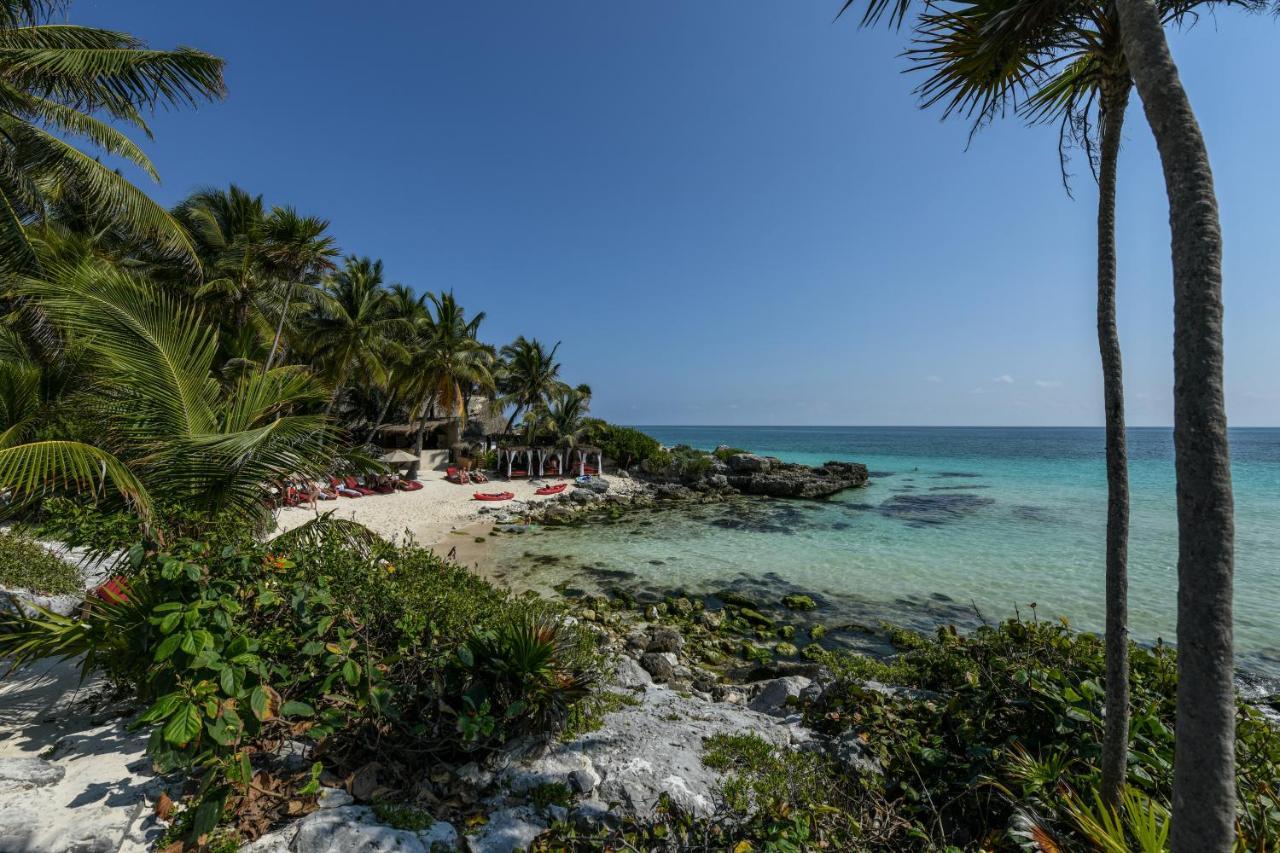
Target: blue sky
[{"x": 730, "y": 213}]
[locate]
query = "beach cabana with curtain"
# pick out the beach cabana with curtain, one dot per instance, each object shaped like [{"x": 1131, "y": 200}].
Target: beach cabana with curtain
[
  {"x": 586, "y": 460},
  {"x": 552, "y": 462},
  {"x": 519, "y": 461}
]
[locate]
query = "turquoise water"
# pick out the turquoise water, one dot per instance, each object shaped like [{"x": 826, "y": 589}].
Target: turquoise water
[{"x": 953, "y": 519}]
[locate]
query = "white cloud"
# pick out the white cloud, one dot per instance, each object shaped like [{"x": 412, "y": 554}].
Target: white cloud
[
  {"x": 934, "y": 379},
  {"x": 1004, "y": 379},
  {"x": 978, "y": 390},
  {"x": 1048, "y": 383}
]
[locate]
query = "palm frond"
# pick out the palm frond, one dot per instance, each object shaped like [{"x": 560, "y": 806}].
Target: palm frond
[
  {"x": 104, "y": 190},
  {"x": 37, "y": 469}
]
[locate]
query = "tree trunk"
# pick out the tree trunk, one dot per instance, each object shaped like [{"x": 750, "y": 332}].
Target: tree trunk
[
  {"x": 511, "y": 421},
  {"x": 423, "y": 409},
  {"x": 1115, "y": 742},
  {"x": 1203, "y": 770},
  {"x": 382, "y": 415},
  {"x": 275, "y": 343}
]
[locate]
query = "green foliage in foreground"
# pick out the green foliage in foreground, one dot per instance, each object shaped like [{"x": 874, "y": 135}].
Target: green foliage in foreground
[
  {"x": 25, "y": 564},
  {"x": 1010, "y": 730},
  {"x": 376, "y": 650},
  {"x": 992, "y": 745}
]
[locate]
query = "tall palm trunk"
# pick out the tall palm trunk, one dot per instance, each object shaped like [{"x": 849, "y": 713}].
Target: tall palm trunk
[
  {"x": 1115, "y": 742},
  {"x": 423, "y": 409},
  {"x": 1203, "y": 771},
  {"x": 512, "y": 420},
  {"x": 382, "y": 415},
  {"x": 284, "y": 311}
]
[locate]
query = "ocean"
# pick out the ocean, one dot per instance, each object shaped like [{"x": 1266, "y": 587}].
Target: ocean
[{"x": 956, "y": 525}]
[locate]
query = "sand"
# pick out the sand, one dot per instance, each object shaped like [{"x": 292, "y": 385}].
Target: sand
[{"x": 441, "y": 515}]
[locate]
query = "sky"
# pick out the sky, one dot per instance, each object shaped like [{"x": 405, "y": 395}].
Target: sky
[{"x": 729, "y": 212}]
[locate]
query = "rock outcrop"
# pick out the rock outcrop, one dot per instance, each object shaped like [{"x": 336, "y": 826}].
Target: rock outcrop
[
  {"x": 765, "y": 475},
  {"x": 646, "y": 750}
]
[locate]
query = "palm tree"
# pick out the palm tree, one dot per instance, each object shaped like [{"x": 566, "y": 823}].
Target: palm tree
[
  {"x": 352, "y": 326},
  {"x": 1063, "y": 62},
  {"x": 165, "y": 430},
  {"x": 1204, "y": 763},
  {"x": 562, "y": 417},
  {"x": 298, "y": 250},
  {"x": 445, "y": 360},
  {"x": 228, "y": 228},
  {"x": 529, "y": 374},
  {"x": 54, "y": 78}
]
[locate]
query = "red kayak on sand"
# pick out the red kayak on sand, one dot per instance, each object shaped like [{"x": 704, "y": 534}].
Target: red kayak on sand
[
  {"x": 551, "y": 490},
  {"x": 494, "y": 496}
]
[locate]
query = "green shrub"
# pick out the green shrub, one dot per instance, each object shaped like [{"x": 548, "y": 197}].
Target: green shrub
[
  {"x": 25, "y": 564},
  {"x": 624, "y": 445},
  {"x": 325, "y": 633},
  {"x": 1013, "y": 722},
  {"x": 723, "y": 453}
]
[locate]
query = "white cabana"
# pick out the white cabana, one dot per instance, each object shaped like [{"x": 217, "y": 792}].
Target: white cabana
[
  {"x": 511, "y": 458},
  {"x": 546, "y": 455},
  {"x": 581, "y": 459}
]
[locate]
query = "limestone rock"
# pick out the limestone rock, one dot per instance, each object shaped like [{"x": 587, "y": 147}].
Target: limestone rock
[
  {"x": 652, "y": 748},
  {"x": 773, "y": 695},
  {"x": 628, "y": 673},
  {"x": 507, "y": 830},
  {"x": 665, "y": 639},
  {"x": 661, "y": 665}
]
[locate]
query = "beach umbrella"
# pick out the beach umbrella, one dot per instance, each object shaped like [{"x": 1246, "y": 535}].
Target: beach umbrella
[{"x": 398, "y": 457}]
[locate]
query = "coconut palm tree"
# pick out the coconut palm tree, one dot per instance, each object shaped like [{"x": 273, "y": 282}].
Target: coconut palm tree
[
  {"x": 1061, "y": 63},
  {"x": 165, "y": 429},
  {"x": 228, "y": 229},
  {"x": 445, "y": 360},
  {"x": 561, "y": 418},
  {"x": 1204, "y": 763},
  {"x": 1068, "y": 62},
  {"x": 352, "y": 327},
  {"x": 61, "y": 81},
  {"x": 297, "y": 250},
  {"x": 529, "y": 374}
]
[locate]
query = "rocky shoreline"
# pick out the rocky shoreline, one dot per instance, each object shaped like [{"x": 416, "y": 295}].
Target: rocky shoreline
[{"x": 719, "y": 480}]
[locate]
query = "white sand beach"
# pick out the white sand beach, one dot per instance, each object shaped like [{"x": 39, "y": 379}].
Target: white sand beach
[{"x": 434, "y": 511}]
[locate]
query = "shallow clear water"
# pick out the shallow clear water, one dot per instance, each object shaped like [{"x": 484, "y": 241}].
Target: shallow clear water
[{"x": 953, "y": 518}]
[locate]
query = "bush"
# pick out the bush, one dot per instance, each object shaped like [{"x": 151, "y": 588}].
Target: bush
[
  {"x": 26, "y": 564},
  {"x": 327, "y": 633},
  {"x": 624, "y": 445},
  {"x": 1012, "y": 725},
  {"x": 723, "y": 453}
]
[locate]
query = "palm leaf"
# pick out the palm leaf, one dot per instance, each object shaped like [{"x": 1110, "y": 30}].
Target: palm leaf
[
  {"x": 40, "y": 468},
  {"x": 102, "y": 189}
]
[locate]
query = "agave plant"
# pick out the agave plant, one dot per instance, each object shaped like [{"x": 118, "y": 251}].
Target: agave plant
[{"x": 168, "y": 429}]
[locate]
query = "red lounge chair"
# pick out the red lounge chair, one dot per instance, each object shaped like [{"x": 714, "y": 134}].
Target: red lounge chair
[
  {"x": 384, "y": 490},
  {"x": 519, "y": 473},
  {"x": 494, "y": 496},
  {"x": 551, "y": 490},
  {"x": 587, "y": 469},
  {"x": 114, "y": 591},
  {"x": 340, "y": 488},
  {"x": 408, "y": 485},
  {"x": 356, "y": 487},
  {"x": 291, "y": 497}
]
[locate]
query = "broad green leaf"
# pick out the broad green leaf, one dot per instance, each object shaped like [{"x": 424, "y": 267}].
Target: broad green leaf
[{"x": 184, "y": 725}]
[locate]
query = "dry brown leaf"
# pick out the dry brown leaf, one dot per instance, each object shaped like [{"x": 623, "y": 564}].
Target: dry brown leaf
[{"x": 164, "y": 808}]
